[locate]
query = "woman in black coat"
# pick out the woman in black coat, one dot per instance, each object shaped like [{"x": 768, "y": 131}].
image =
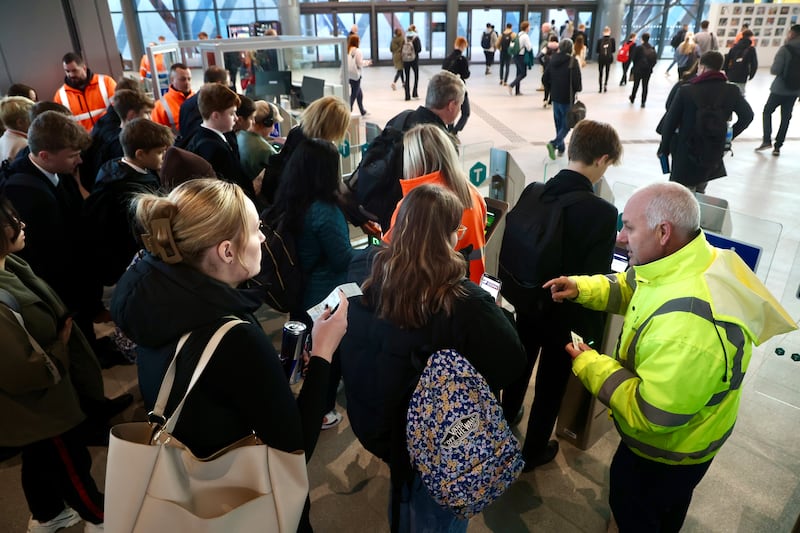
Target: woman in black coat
[{"x": 417, "y": 300}]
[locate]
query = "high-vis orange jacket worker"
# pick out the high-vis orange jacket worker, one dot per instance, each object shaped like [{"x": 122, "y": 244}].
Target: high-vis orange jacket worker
[
  {"x": 89, "y": 104},
  {"x": 167, "y": 109},
  {"x": 474, "y": 219}
]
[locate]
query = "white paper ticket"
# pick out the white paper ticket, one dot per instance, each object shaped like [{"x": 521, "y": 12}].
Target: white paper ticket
[
  {"x": 576, "y": 340},
  {"x": 332, "y": 300}
]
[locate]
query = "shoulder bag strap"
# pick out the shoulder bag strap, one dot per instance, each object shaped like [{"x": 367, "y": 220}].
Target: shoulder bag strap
[{"x": 169, "y": 377}]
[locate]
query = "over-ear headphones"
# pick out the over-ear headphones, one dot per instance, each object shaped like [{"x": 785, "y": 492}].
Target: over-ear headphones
[{"x": 269, "y": 120}]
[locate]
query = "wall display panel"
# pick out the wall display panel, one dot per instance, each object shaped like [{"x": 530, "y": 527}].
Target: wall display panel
[{"x": 769, "y": 23}]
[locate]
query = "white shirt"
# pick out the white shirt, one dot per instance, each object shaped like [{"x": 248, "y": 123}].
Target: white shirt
[{"x": 50, "y": 175}]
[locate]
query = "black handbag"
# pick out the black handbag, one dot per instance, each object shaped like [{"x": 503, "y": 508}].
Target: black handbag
[{"x": 577, "y": 111}]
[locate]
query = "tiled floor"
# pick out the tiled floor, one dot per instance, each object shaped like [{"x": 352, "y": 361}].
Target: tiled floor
[{"x": 753, "y": 484}]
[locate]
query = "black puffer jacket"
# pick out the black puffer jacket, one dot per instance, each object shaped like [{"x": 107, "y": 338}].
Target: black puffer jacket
[{"x": 556, "y": 78}]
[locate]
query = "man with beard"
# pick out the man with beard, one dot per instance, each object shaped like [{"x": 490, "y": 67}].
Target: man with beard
[{"x": 86, "y": 94}]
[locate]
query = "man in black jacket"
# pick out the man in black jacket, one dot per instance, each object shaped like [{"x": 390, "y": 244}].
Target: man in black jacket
[
  {"x": 644, "y": 59},
  {"x": 189, "y": 118},
  {"x": 696, "y": 146},
  {"x": 741, "y": 61},
  {"x": 589, "y": 232},
  {"x": 562, "y": 79}
]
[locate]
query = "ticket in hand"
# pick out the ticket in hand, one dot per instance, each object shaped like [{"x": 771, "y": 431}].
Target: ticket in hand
[
  {"x": 576, "y": 340},
  {"x": 332, "y": 300}
]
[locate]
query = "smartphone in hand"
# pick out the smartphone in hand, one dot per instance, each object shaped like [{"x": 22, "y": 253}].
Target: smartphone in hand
[{"x": 491, "y": 285}]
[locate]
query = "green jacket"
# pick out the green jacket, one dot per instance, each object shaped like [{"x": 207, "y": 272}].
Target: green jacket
[
  {"x": 32, "y": 406},
  {"x": 674, "y": 384}
]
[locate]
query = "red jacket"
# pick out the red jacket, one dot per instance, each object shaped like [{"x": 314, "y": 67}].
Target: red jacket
[
  {"x": 473, "y": 218},
  {"x": 90, "y": 104}
]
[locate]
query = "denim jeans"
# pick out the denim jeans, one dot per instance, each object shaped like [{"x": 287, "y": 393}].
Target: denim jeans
[
  {"x": 419, "y": 513},
  {"x": 560, "y": 119}
]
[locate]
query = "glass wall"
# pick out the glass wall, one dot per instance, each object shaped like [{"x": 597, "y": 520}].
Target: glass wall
[
  {"x": 185, "y": 19},
  {"x": 649, "y": 16}
]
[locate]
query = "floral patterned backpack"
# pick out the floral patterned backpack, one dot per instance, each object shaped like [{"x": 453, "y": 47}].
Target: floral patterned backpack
[{"x": 457, "y": 437}]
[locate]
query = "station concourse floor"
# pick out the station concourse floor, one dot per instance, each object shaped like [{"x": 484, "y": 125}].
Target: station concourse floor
[{"x": 753, "y": 484}]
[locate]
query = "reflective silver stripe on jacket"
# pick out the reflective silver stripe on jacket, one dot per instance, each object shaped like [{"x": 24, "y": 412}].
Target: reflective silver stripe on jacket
[
  {"x": 168, "y": 111},
  {"x": 702, "y": 309},
  {"x": 101, "y": 80},
  {"x": 612, "y": 383},
  {"x": 652, "y": 451},
  {"x": 615, "y": 291}
]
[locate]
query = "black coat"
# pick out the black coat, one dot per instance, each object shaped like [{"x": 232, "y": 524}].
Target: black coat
[
  {"x": 457, "y": 64},
  {"x": 560, "y": 71},
  {"x": 243, "y": 389},
  {"x": 679, "y": 122},
  {"x": 189, "y": 121},
  {"x": 381, "y": 362},
  {"x": 109, "y": 221},
  {"x": 54, "y": 234},
  {"x": 223, "y": 155},
  {"x": 590, "y": 231},
  {"x": 642, "y": 64},
  {"x": 741, "y": 61}
]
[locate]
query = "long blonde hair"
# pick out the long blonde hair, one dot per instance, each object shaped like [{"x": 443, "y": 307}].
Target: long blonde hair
[
  {"x": 427, "y": 148},
  {"x": 419, "y": 274}
]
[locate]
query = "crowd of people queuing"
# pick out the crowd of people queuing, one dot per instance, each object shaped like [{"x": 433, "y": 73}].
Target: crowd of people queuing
[{"x": 168, "y": 212}]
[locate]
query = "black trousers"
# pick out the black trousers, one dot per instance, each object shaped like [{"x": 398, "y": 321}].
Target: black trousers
[
  {"x": 786, "y": 103},
  {"x": 465, "y": 112},
  {"x": 356, "y": 95},
  {"x": 57, "y": 471},
  {"x": 407, "y": 68},
  {"x": 551, "y": 381},
  {"x": 603, "y": 67},
  {"x": 625, "y": 67},
  {"x": 645, "y": 80},
  {"x": 398, "y": 75},
  {"x": 489, "y": 58},
  {"x": 649, "y": 496},
  {"x": 505, "y": 66}
]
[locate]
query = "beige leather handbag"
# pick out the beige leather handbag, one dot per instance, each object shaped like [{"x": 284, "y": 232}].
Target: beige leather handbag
[{"x": 154, "y": 483}]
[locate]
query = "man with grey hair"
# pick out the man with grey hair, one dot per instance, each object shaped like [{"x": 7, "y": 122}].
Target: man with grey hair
[
  {"x": 562, "y": 78},
  {"x": 377, "y": 178},
  {"x": 692, "y": 313}
]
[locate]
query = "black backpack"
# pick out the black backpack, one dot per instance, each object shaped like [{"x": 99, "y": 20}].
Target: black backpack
[
  {"x": 532, "y": 251},
  {"x": 791, "y": 75},
  {"x": 376, "y": 181},
  {"x": 650, "y": 55},
  {"x": 706, "y": 142},
  {"x": 677, "y": 39},
  {"x": 606, "y": 54},
  {"x": 505, "y": 42},
  {"x": 281, "y": 276},
  {"x": 486, "y": 41},
  {"x": 450, "y": 61},
  {"x": 737, "y": 67}
]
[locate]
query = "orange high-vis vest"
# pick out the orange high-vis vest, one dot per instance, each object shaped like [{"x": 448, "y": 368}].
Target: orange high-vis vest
[
  {"x": 168, "y": 107},
  {"x": 474, "y": 218},
  {"x": 89, "y": 105}
]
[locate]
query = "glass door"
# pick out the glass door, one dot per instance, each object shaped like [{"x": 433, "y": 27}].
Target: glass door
[
  {"x": 387, "y": 21},
  {"x": 479, "y": 19}
]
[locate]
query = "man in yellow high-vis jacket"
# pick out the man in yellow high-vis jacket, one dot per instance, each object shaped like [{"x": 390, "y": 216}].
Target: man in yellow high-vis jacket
[{"x": 692, "y": 313}]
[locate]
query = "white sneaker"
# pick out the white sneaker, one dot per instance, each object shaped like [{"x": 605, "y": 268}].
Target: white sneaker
[
  {"x": 68, "y": 517},
  {"x": 93, "y": 528},
  {"x": 331, "y": 419}
]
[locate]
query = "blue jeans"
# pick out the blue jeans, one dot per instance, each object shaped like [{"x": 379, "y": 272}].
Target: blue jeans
[
  {"x": 419, "y": 513},
  {"x": 560, "y": 119}
]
